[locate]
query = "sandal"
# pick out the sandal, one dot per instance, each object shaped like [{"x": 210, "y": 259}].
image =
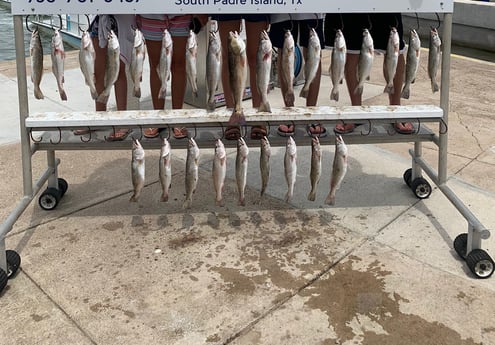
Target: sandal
[
  {"x": 83, "y": 131},
  {"x": 232, "y": 133},
  {"x": 404, "y": 127},
  {"x": 344, "y": 128},
  {"x": 317, "y": 130},
  {"x": 151, "y": 132},
  {"x": 180, "y": 133},
  {"x": 118, "y": 135},
  {"x": 258, "y": 132},
  {"x": 285, "y": 130}
]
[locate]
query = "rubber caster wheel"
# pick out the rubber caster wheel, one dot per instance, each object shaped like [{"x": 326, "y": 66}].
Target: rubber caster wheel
[
  {"x": 49, "y": 199},
  {"x": 480, "y": 263},
  {"x": 407, "y": 177},
  {"x": 13, "y": 263},
  {"x": 62, "y": 186},
  {"x": 460, "y": 245},
  {"x": 3, "y": 279},
  {"x": 421, "y": 188}
]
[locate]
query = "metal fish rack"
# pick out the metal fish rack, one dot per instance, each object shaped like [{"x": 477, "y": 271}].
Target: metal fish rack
[{"x": 51, "y": 132}]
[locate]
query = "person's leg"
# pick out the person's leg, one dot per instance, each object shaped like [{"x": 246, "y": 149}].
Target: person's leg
[
  {"x": 154, "y": 50},
  {"x": 394, "y": 99},
  {"x": 253, "y": 30},
  {"x": 178, "y": 70},
  {"x": 224, "y": 27},
  {"x": 350, "y": 73},
  {"x": 120, "y": 89}
]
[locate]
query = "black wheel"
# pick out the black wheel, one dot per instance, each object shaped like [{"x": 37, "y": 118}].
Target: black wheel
[
  {"x": 3, "y": 279},
  {"x": 49, "y": 199},
  {"x": 460, "y": 245},
  {"x": 421, "y": 188},
  {"x": 480, "y": 263},
  {"x": 13, "y": 262},
  {"x": 407, "y": 177},
  {"x": 62, "y": 186}
]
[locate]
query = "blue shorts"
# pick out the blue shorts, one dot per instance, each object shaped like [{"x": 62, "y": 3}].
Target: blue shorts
[{"x": 298, "y": 28}]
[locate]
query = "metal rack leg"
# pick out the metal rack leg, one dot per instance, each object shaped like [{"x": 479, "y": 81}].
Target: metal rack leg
[
  {"x": 52, "y": 165},
  {"x": 416, "y": 168}
]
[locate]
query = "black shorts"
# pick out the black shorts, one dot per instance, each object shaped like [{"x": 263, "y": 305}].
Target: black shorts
[
  {"x": 246, "y": 17},
  {"x": 352, "y": 25},
  {"x": 299, "y": 28}
]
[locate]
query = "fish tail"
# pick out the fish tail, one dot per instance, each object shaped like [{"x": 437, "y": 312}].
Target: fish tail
[
  {"x": 334, "y": 95},
  {"x": 164, "y": 197},
  {"x": 405, "y": 92},
  {"x": 210, "y": 106},
  {"x": 304, "y": 93},
  {"x": 63, "y": 95},
  {"x": 134, "y": 198},
  {"x": 187, "y": 203},
  {"x": 242, "y": 201},
  {"x": 389, "y": 89},
  {"x": 312, "y": 195},
  {"x": 358, "y": 90},
  {"x": 37, "y": 93},
  {"x": 102, "y": 98},
  {"x": 330, "y": 200},
  {"x": 162, "y": 93},
  {"x": 288, "y": 197},
  {"x": 94, "y": 94},
  {"x": 434, "y": 86},
  {"x": 137, "y": 92}
]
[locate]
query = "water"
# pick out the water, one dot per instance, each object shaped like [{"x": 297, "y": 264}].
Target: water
[{"x": 7, "y": 37}]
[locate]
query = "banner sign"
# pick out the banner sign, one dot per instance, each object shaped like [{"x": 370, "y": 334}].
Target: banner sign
[{"x": 27, "y": 7}]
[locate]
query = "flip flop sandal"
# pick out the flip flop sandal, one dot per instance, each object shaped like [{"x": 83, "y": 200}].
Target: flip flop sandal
[
  {"x": 348, "y": 128},
  {"x": 151, "y": 132},
  {"x": 81, "y": 131},
  {"x": 285, "y": 133},
  {"x": 402, "y": 129},
  {"x": 180, "y": 133},
  {"x": 258, "y": 132},
  {"x": 118, "y": 135},
  {"x": 317, "y": 130},
  {"x": 232, "y": 133}
]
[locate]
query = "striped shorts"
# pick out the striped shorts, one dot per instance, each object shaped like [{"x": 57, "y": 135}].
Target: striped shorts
[{"x": 152, "y": 29}]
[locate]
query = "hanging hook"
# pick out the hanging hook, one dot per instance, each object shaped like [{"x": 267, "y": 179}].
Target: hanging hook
[
  {"x": 89, "y": 139},
  {"x": 27, "y": 25},
  {"x": 59, "y": 137},
  {"x": 370, "y": 23},
  {"x": 89, "y": 24},
  {"x": 419, "y": 126},
  {"x": 369, "y": 128},
  {"x": 114, "y": 134},
  {"x": 195, "y": 131},
  {"x": 443, "y": 124},
  {"x": 223, "y": 130},
  {"x": 141, "y": 131},
  {"x": 438, "y": 19},
  {"x": 268, "y": 129},
  {"x": 291, "y": 24},
  {"x": 168, "y": 133},
  {"x": 341, "y": 22},
  {"x": 417, "y": 21},
  {"x": 33, "y": 139}
]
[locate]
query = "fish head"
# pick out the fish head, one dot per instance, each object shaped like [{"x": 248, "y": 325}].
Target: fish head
[
  {"x": 242, "y": 147},
  {"x": 264, "y": 35},
  {"x": 414, "y": 40},
  {"x": 236, "y": 43},
  {"x": 138, "y": 38},
  {"x": 315, "y": 145},
  {"x": 56, "y": 38},
  {"x": 288, "y": 40},
  {"x": 220, "y": 149},
  {"x": 166, "y": 148},
  {"x": 35, "y": 38},
  {"x": 291, "y": 146},
  {"x": 339, "y": 42},
  {"x": 191, "y": 41},
  {"x": 193, "y": 148},
  {"x": 435, "y": 38},
  {"x": 367, "y": 39},
  {"x": 86, "y": 41},
  {"x": 340, "y": 145},
  {"x": 394, "y": 37},
  {"x": 167, "y": 39},
  {"x": 113, "y": 42},
  {"x": 137, "y": 149}
]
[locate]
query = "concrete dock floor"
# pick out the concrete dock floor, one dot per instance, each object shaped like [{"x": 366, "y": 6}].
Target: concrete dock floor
[{"x": 376, "y": 268}]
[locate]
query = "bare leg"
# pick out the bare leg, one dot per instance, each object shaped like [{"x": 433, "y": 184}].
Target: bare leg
[
  {"x": 154, "y": 51},
  {"x": 350, "y": 72},
  {"x": 178, "y": 72},
  {"x": 394, "y": 99}
]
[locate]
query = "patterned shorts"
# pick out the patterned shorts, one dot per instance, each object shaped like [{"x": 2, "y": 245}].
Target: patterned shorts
[{"x": 152, "y": 29}]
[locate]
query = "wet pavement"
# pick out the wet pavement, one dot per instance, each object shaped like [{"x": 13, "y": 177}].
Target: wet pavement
[{"x": 377, "y": 268}]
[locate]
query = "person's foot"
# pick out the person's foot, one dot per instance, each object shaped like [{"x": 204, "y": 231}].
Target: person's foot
[
  {"x": 286, "y": 130},
  {"x": 316, "y": 130},
  {"x": 344, "y": 128},
  {"x": 180, "y": 133},
  {"x": 404, "y": 127},
  {"x": 258, "y": 132},
  {"x": 118, "y": 135},
  {"x": 151, "y": 132}
]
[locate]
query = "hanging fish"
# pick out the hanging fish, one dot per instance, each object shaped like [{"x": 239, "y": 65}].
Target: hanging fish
[
  {"x": 315, "y": 172},
  {"x": 288, "y": 68},
  {"x": 192, "y": 166},
  {"x": 36, "y": 54},
  {"x": 241, "y": 165},
  {"x": 290, "y": 167},
  {"x": 219, "y": 171},
  {"x": 137, "y": 169},
  {"x": 366, "y": 56},
  {"x": 337, "y": 64},
  {"x": 87, "y": 57},
  {"x": 237, "y": 61},
  {"x": 191, "y": 61},
  {"x": 58, "y": 58},
  {"x": 434, "y": 54},
  {"x": 390, "y": 61},
  {"x": 412, "y": 62},
  {"x": 312, "y": 62},
  {"x": 265, "y": 154},
  {"x": 213, "y": 68},
  {"x": 112, "y": 67},
  {"x": 339, "y": 169},
  {"x": 165, "y": 168},
  {"x": 263, "y": 69},
  {"x": 165, "y": 64},
  {"x": 137, "y": 61}
]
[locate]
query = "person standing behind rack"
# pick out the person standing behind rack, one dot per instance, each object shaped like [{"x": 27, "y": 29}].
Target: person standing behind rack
[
  {"x": 254, "y": 24},
  {"x": 152, "y": 27},
  {"x": 299, "y": 24},
  {"x": 121, "y": 25},
  {"x": 352, "y": 26}
]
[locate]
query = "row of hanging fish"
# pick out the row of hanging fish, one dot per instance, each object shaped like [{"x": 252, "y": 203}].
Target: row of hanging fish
[
  {"x": 366, "y": 57},
  {"x": 219, "y": 169}
]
